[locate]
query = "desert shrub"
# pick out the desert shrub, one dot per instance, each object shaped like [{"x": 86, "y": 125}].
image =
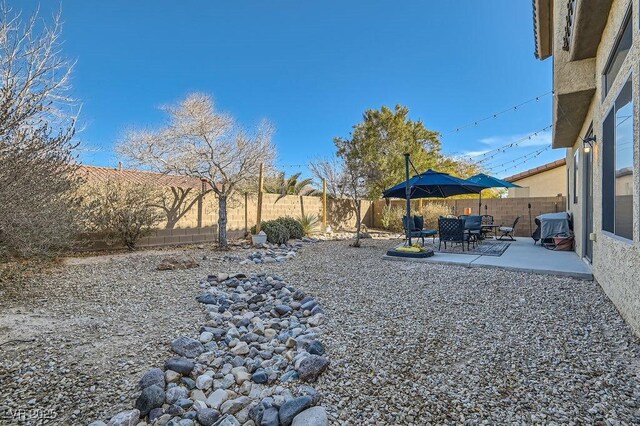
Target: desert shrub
[
  {"x": 121, "y": 211},
  {"x": 38, "y": 202},
  {"x": 276, "y": 232},
  {"x": 293, "y": 226},
  {"x": 391, "y": 218},
  {"x": 432, "y": 211},
  {"x": 309, "y": 223}
]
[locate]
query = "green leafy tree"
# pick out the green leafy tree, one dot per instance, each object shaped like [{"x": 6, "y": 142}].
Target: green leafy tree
[{"x": 382, "y": 139}]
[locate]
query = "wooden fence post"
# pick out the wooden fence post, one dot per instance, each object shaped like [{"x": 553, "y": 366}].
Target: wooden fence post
[
  {"x": 246, "y": 214},
  {"x": 324, "y": 205},
  {"x": 260, "y": 185}
]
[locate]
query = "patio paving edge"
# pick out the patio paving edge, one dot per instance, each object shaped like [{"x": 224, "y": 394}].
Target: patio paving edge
[
  {"x": 587, "y": 276},
  {"x": 432, "y": 260}
]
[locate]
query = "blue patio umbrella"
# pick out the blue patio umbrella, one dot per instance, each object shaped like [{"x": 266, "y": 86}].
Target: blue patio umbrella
[
  {"x": 489, "y": 182},
  {"x": 429, "y": 184},
  {"x": 433, "y": 184}
]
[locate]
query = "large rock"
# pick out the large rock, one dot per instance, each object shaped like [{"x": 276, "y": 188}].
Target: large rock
[
  {"x": 125, "y": 418},
  {"x": 207, "y": 299},
  {"x": 187, "y": 347},
  {"x": 315, "y": 348},
  {"x": 150, "y": 398},
  {"x": 155, "y": 376},
  {"x": 240, "y": 349},
  {"x": 177, "y": 262},
  {"x": 292, "y": 408},
  {"x": 176, "y": 393},
  {"x": 155, "y": 414},
  {"x": 180, "y": 365},
  {"x": 232, "y": 406},
  {"x": 216, "y": 398},
  {"x": 283, "y": 309},
  {"x": 314, "y": 416},
  {"x": 204, "y": 382},
  {"x": 270, "y": 417},
  {"x": 229, "y": 421},
  {"x": 208, "y": 416},
  {"x": 311, "y": 367},
  {"x": 260, "y": 377}
]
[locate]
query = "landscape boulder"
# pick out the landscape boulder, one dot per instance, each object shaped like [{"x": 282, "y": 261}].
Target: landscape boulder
[{"x": 177, "y": 262}]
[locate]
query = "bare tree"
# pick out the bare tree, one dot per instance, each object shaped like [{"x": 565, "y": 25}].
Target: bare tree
[
  {"x": 38, "y": 179},
  {"x": 122, "y": 211},
  {"x": 199, "y": 141},
  {"x": 34, "y": 74},
  {"x": 345, "y": 179},
  {"x": 332, "y": 171},
  {"x": 176, "y": 202}
]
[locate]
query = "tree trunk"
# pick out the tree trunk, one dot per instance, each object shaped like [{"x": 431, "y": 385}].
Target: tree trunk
[
  {"x": 222, "y": 221},
  {"x": 358, "y": 224},
  {"x": 172, "y": 219}
]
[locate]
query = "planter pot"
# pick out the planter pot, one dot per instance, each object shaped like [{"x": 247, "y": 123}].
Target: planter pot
[{"x": 259, "y": 239}]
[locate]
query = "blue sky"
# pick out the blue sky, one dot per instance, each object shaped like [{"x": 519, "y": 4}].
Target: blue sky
[{"x": 311, "y": 68}]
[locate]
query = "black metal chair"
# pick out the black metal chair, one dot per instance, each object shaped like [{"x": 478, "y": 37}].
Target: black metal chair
[
  {"x": 419, "y": 225},
  {"x": 416, "y": 224},
  {"x": 473, "y": 226},
  {"x": 487, "y": 219},
  {"x": 507, "y": 231},
  {"x": 409, "y": 224},
  {"x": 452, "y": 231}
]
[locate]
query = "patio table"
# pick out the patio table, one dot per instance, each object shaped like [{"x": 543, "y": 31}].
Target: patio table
[{"x": 490, "y": 229}]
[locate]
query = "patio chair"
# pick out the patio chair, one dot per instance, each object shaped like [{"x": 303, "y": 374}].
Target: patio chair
[
  {"x": 473, "y": 226},
  {"x": 410, "y": 225},
  {"x": 419, "y": 225},
  {"x": 487, "y": 219},
  {"x": 452, "y": 231},
  {"x": 507, "y": 231}
]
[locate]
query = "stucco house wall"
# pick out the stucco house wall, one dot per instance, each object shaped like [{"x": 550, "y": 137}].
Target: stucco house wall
[
  {"x": 549, "y": 183},
  {"x": 616, "y": 261}
]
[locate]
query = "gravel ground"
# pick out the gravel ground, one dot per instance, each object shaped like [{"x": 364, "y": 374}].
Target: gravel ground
[{"x": 409, "y": 344}]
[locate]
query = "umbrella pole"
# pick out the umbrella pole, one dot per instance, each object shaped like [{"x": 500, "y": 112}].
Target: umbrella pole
[
  {"x": 408, "y": 196},
  {"x": 480, "y": 204}
]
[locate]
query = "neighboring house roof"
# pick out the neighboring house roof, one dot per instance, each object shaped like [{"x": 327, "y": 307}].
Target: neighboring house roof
[
  {"x": 541, "y": 169},
  {"x": 104, "y": 174},
  {"x": 627, "y": 171}
]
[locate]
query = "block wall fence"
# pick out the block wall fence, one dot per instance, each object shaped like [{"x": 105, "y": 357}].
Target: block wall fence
[
  {"x": 503, "y": 210},
  {"x": 199, "y": 224}
]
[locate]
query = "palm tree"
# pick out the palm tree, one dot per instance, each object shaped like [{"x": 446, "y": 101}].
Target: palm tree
[
  {"x": 291, "y": 186},
  {"x": 294, "y": 185}
]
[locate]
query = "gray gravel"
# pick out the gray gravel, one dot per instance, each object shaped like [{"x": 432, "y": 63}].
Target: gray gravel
[
  {"x": 409, "y": 344},
  {"x": 419, "y": 344}
]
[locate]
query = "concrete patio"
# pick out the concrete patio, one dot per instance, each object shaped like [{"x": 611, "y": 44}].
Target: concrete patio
[{"x": 522, "y": 255}]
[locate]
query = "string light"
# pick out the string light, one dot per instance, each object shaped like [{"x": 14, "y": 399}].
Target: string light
[
  {"x": 513, "y": 160},
  {"x": 496, "y": 114},
  {"x": 531, "y": 156},
  {"x": 486, "y": 156}
]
